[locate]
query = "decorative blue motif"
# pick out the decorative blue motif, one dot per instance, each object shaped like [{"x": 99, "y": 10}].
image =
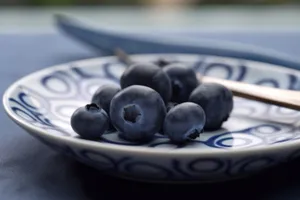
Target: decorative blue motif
[
  {"x": 23, "y": 106},
  {"x": 53, "y": 97},
  {"x": 198, "y": 169},
  {"x": 60, "y": 83},
  {"x": 226, "y": 68},
  {"x": 268, "y": 82}
]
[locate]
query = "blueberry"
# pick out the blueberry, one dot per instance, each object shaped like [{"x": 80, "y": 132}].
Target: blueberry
[
  {"x": 90, "y": 121},
  {"x": 137, "y": 112},
  {"x": 183, "y": 80},
  {"x": 217, "y": 102},
  {"x": 148, "y": 75},
  {"x": 104, "y": 95},
  {"x": 183, "y": 122},
  {"x": 169, "y": 106}
]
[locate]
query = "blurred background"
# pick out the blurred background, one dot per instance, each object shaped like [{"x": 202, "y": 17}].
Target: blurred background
[
  {"x": 269, "y": 23},
  {"x": 143, "y": 2}
]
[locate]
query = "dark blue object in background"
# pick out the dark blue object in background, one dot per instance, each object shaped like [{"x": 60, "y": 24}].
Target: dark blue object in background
[{"x": 30, "y": 170}]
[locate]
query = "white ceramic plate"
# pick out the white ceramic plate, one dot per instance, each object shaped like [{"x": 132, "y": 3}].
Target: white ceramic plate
[{"x": 255, "y": 137}]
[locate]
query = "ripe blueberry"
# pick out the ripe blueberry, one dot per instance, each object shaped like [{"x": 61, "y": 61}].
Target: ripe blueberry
[
  {"x": 148, "y": 75},
  {"x": 217, "y": 102},
  {"x": 137, "y": 112},
  {"x": 90, "y": 121},
  {"x": 183, "y": 122},
  {"x": 183, "y": 80},
  {"x": 104, "y": 94}
]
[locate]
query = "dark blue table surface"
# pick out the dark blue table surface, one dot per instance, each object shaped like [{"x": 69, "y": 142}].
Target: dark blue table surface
[{"x": 30, "y": 170}]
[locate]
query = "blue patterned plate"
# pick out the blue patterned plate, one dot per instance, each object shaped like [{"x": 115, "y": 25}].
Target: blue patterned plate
[{"x": 256, "y": 136}]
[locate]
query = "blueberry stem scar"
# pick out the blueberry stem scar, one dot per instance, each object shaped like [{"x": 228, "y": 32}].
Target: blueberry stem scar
[
  {"x": 92, "y": 106},
  {"x": 176, "y": 87},
  {"x": 193, "y": 133},
  {"x": 131, "y": 113},
  {"x": 161, "y": 62}
]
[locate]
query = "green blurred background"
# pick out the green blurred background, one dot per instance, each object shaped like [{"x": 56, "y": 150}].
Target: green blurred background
[{"x": 143, "y": 2}]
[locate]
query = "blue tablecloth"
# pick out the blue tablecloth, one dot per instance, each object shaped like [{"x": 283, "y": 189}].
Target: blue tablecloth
[{"x": 30, "y": 170}]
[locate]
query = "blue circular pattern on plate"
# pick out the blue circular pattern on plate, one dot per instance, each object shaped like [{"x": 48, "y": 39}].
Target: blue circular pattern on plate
[
  {"x": 55, "y": 96},
  {"x": 64, "y": 80}
]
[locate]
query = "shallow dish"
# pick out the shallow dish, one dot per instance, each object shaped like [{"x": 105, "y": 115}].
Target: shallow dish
[{"x": 255, "y": 137}]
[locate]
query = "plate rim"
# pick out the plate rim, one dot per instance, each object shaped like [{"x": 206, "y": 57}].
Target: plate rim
[{"x": 293, "y": 144}]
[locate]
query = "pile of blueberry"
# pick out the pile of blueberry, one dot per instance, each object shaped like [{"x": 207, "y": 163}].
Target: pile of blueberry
[{"x": 159, "y": 97}]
